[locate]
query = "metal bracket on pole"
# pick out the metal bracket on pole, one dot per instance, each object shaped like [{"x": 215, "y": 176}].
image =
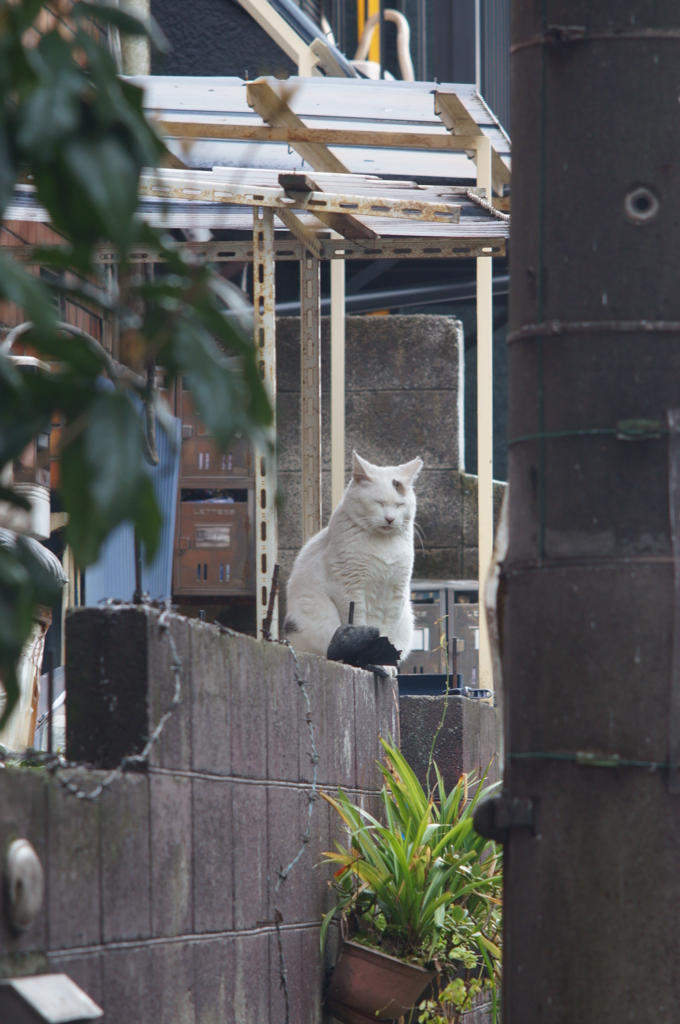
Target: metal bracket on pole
[
  {"x": 310, "y": 394},
  {"x": 484, "y": 418},
  {"x": 266, "y": 529}
]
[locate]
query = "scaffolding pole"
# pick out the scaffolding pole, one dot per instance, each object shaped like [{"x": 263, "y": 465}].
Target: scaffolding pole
[
  {"x": 484, "y": 417},
  {"x": 310, "y": 394},
  {"x": 337, "y": 381},
  {"x": 266, "y": 529}
]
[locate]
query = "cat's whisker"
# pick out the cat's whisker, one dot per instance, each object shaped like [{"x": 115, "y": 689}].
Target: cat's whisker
[{"x": 420, "y": 535}]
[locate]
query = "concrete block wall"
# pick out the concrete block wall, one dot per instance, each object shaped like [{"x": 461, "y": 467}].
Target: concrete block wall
[
  {"x": 160, "y": 895},
  {"x": 467, "y": 741},
  {"x": 404, "y": 381}
]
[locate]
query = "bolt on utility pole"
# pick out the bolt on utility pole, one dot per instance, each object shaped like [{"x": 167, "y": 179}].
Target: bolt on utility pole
[{"x": 590, "y": 621}]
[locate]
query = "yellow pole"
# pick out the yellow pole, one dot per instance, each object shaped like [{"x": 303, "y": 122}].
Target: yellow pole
[{"x": 365, "y": 10}]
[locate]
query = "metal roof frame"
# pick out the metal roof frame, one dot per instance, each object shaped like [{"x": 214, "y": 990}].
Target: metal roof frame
[{"x": 368, "y": 217}]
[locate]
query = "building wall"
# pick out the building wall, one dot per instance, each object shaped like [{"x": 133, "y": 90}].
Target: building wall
[
  {"x": 160, "y": 895},
  {"x": 215, "y": 37}
]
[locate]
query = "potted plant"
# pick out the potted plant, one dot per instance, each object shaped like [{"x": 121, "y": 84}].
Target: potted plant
[{"x": 419, "y": 902}]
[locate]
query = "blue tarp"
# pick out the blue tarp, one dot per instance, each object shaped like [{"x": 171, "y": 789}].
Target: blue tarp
[{"x": 114, "y": 574}]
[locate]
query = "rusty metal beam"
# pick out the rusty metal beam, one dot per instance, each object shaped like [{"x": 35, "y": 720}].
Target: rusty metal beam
[
  {"x": 195, "y": 189},
  {"x": 275, "y": 111},
  {"x": 310, "y": 394},
  {"x": 266, "y": 526},
  {"x": 342, "y": 223},
  {"x": 291, "y": 249}
]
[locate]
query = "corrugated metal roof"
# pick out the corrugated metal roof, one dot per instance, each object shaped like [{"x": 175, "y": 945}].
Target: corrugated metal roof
[{"x": 113, "y": 576}]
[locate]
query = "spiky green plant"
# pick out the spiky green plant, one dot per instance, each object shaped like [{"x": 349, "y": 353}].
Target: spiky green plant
[{"x": 423, "y": 886}]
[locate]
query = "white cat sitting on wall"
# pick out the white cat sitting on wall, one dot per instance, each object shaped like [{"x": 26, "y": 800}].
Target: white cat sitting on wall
[{"x": 363, "y": 557}]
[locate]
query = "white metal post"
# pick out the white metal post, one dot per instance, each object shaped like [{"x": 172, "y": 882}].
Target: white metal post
[
  {"x": 310, "y": 394},
  {"x": 484, "y": 418},
  {"x": 337, "y": 381},
  {"x": 266, "y": 527}
]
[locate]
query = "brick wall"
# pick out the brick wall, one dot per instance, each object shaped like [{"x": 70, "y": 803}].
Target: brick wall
[{"x": 160, "y": 895}]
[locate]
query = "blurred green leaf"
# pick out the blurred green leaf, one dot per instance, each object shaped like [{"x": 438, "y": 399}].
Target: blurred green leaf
[{"x": 104, "y": 481}]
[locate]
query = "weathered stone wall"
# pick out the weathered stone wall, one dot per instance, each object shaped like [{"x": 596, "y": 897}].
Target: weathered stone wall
[
  {"x": 160, "y": 895},
  {"x": 403, "y": 384}
]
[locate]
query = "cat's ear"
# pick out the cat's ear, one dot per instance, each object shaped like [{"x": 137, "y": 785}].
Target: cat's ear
[
  {"x": 360, "y": 469},
  {"x": 410, "y": 471}
]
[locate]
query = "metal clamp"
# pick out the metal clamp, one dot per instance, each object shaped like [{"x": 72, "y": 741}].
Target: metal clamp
[{"x": 493, "y": 818}]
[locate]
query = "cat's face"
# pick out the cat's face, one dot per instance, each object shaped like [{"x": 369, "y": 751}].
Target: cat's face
[{"x": 382, "y": 497}]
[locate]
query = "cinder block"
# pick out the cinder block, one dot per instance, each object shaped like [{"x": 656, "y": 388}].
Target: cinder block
[
  {"x": 211, "y": 700},
  {"x": 121, "y": 682},
  {"x": 283, "y": 713},
  {"x": 173, "y": 983},
  {"x": 251, "y": 990},
  {"x": 214, "y": 973},
  {"x": 168, "y": 638},
  {"x": 467, "y": 740},
  {"x": 366, "y": 746},
  {"x": 212, "y": 856},
  {"x": 86, "y": 971},
  {"x": 283, "y": 840},
  {"x": 73, "y": 866},
  {"x": 250, "y": 696},
  {"x": 313, "y": 871},
  {"x": 315, "y": 674},
  {"x": 387, "y": 711},
  {"x": 311, "y": 1011},
  {"x": 171, "y": 855},
  {"x": 340, "y": 736},
  {"x": 251, "y": 897},
  {"x": 106, "y": 698},
  {"x": 292, "y": 957},
  {"x": 126, "y": 859},
  {"x": 395, "y": 426},
  {"x": 23, "y": 815},
  {"x": 128, "y": 988}
]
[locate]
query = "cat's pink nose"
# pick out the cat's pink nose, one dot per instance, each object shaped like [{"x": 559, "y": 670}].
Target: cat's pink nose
[{"x": 389, "y": 520}]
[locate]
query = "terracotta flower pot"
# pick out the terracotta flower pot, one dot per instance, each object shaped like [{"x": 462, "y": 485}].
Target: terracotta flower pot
[{"x": 371, "y": 986}]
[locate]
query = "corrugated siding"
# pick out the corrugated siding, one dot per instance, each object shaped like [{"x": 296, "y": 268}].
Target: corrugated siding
[
  {"x": 114, "y": 574},
  {"x": 496, "y": 58}
]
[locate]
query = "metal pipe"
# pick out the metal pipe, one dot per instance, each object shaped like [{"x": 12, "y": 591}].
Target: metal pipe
[
  {"x": 337, "y": 304},
  {"x": 484, "y": 417},
  {"x": 310, "y": 395},
  {"x": 266, "y": 525},
  {"x": 403, "y": 40},
  {"x": 397, "y": 298}
]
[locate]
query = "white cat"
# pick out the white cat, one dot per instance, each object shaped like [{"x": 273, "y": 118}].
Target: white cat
[{"x": 364, "y": 555}]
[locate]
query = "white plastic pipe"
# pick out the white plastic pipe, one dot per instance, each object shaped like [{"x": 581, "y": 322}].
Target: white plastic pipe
[{"x": 403, "y": 41}]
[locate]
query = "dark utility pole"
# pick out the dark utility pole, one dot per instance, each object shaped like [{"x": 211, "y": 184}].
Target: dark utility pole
[{"x": 593, "y": 889}]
